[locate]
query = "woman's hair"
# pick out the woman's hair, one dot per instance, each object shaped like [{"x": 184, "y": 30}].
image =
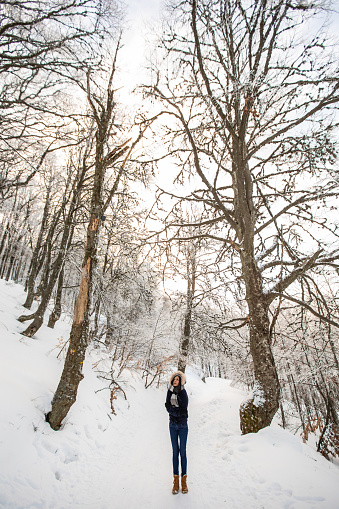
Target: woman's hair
[{"x": 181, "y": 376}]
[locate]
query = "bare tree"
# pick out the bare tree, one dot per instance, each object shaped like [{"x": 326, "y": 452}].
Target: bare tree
[
  {"x": 251, "y": 96},
  {"x": 68, "y": 206},
  {"x": 14, "y": 248},
  {"x": 44, "y": 47},
  {"x": 104, "y": 111}
]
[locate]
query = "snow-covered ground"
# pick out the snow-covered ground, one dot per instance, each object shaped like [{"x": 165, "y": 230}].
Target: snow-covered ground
[{"x": 102, "y": 461}]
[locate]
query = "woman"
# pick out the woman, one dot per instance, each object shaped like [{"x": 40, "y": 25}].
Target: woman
[{"x": 176, "y": 405}]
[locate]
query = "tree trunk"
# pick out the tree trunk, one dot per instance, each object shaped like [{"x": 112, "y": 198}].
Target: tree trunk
[
  {"x": 56, "y": 313},
  {"x": 97, "y": 309},
  {"x": 191, "y": 276},
  {"x": 259, "y": 410},
  {"x": 4, "y": 247},
  {"x": 10, "y": 264},
  {"x": 4, "y": 260},
  {"x": 36, "y": 262},
  {"x": 109, "y": 331},
  {"x": 65, "y": 395},
  {"x": 38, "y": 315},
  {"x": 4, "y": 238},
  {"x": 20, "y": 267},
  {"x": 33, "y": 272},
  {"x": 185, "y": 341}
]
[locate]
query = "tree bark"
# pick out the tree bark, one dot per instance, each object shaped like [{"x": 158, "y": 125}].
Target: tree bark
[
  {"x": 185, "y": 339},
  {"x": 56, "y": 313},
  {"x": 258, "y": 411},
  {"x": 5, "y": 258},
  {"x": 66, "y": 393}
]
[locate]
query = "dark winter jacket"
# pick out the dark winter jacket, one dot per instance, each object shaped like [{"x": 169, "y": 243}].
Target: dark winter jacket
[{"x": 178, "y": 413}]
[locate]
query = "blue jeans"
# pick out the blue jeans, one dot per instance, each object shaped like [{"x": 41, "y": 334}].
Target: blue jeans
[{"x": 179, "y": 434}]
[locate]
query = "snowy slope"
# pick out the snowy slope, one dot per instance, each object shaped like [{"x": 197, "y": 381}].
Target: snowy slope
[{"x": 102, "y": 461}]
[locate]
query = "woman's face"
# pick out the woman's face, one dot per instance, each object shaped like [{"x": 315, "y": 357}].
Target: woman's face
[{"x": 176, "y": 381}]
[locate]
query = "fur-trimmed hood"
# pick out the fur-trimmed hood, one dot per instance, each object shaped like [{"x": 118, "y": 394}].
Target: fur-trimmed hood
[{"x": 182, "y": 377}]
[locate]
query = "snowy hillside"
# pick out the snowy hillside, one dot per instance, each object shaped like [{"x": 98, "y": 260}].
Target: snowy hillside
[{"x": 102, "y": 461}]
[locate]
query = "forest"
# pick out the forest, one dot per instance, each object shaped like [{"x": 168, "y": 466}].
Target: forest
[{"x": 199, "y": 227}]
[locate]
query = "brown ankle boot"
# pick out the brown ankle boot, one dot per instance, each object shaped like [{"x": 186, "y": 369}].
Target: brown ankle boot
[
  {"x": 175, "y": 488},
  {"x": 184, "y": 488}
]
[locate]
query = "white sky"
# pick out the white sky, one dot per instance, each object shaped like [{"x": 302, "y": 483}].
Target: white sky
[{"x": 141, "y": 15}]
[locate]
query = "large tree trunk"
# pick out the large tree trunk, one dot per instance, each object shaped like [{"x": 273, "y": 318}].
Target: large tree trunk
[
  {"x": 258, "y": 411},
  {"x": 66, "y": 393}
]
